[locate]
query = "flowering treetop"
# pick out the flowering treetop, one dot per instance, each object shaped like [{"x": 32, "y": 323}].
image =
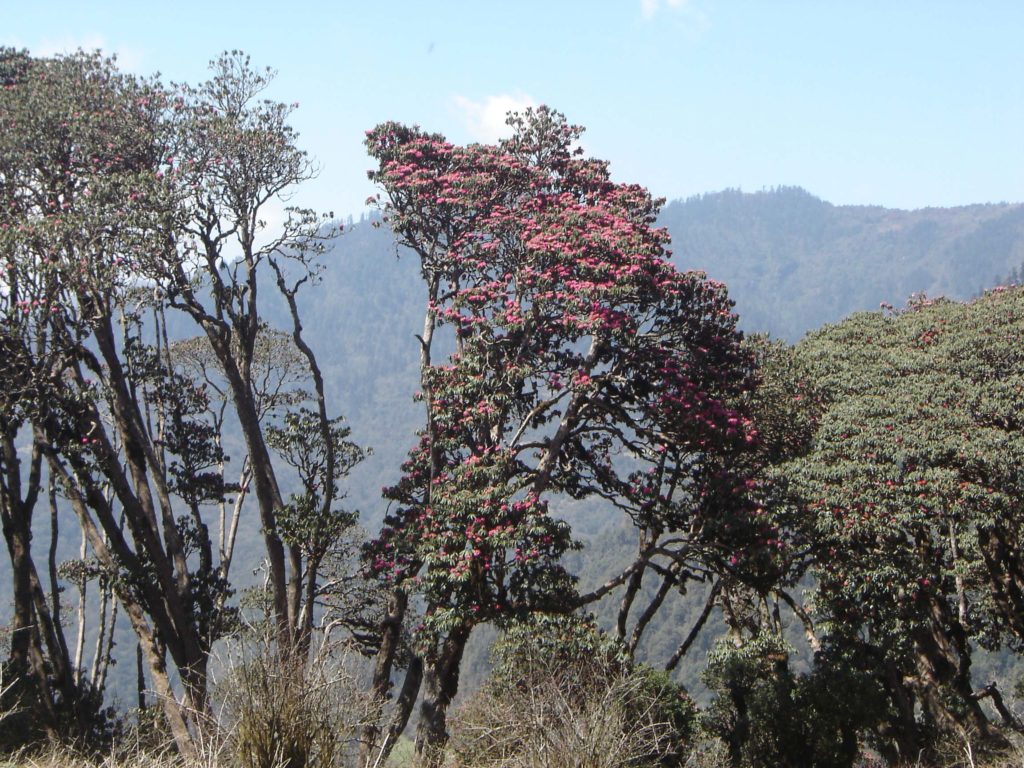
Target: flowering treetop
[{"x": 582, "y": 362}]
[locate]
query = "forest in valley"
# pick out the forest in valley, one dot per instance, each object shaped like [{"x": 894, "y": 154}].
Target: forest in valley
[{"x": 523, "y": 468}]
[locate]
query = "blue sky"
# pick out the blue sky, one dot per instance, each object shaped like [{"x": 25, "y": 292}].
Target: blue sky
[{"x": 900, "y": 103}]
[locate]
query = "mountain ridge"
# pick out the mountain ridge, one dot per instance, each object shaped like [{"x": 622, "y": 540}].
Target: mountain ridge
[{"x": 793, "y": 262}]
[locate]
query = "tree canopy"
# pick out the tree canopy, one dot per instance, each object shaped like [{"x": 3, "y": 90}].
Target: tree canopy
[
  {"x": 124, "y": 201},
  {"x": 580, "y": 362},
  {"x": 913, "y": 489}
]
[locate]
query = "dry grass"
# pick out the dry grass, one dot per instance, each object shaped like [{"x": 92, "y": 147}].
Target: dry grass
[
  {"x": 706, "y": 754},
  {"x": 281, "y": 713},
  {"x": 63, "y": 758}
]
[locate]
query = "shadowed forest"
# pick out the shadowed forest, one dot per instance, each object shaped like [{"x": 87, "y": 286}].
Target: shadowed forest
[{"x": 523, "y": 468}]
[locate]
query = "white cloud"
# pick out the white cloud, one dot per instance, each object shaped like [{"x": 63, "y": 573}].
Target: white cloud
[
  {"x": 128, "y": 59},
  {"x": 648, "y": 8},
  {"x": 485, "y": 120},
  {"x": 696, "y": 19}
]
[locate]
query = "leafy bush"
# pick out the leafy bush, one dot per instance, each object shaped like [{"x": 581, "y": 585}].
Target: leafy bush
[
  {"x": 563, "y": 694},
  {"x": 768, "y": 717},
  {"x": 81, "y": 723}
]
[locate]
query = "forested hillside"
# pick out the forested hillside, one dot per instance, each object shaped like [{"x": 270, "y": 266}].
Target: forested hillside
[{"x": 793, "y": 262}]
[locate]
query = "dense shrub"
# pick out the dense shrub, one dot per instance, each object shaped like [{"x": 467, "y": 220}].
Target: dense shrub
[
  {"x": 564, "y": 694},
  {"x": 769, "y": 717}
]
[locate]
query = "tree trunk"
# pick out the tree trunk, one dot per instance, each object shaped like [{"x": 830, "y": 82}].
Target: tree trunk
[
  {"x": 140, "y": 677},
  {"x": 268, "y": 494},
  {"x": 172, "y": 709},
  {"x": 943, "y": 663},
  {"x": 193, "y": 674},
  {"x": 391, "y": 630},
  {"x": 26, "y": 649},
  {"x": 440, "y": 684}
]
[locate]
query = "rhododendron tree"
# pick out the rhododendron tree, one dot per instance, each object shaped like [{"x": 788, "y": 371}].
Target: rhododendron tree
[
  {"x": 915, "y": 490},
  {"x": 79, "y": 157},
  {"x": 120, "y": 200},
  {"x": 561, "y": 354},
  {"x": 234, "y": 158}
]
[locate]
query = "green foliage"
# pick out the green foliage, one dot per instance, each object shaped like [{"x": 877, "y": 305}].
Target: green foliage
[
  {"x": 565, "y": 693},
  {"x": 914, "y": 493},
  {"x": 555, "y": 639},
  {"x": 298, "y": 440},
  {"x": 786, "y": 401},
  {"x": 84, "y": 723},
  {"x": 768, "y": 716}
]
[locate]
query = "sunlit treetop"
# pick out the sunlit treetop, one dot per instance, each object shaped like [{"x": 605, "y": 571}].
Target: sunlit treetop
[{"x": 583, "y": 362}]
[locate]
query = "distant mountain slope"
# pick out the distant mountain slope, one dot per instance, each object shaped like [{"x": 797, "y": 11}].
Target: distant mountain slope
[
  {"x": 362, "y": 321},
  {"x": 793, "y": 262}
]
